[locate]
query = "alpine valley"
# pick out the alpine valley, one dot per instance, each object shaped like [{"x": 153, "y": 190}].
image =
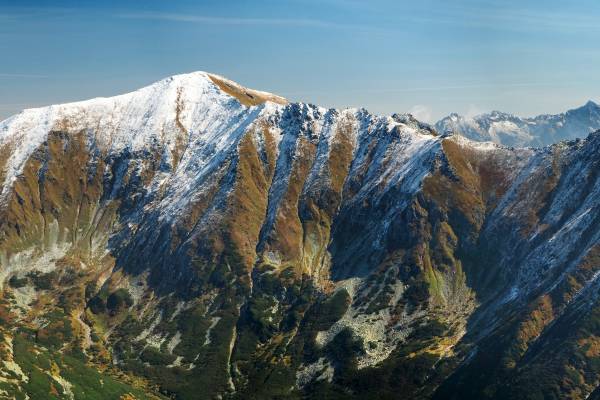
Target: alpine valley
[{"x": 196, "y": 239}]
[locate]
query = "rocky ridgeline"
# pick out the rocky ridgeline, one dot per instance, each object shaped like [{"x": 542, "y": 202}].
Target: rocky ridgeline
[{"x": 197, "y": 239}]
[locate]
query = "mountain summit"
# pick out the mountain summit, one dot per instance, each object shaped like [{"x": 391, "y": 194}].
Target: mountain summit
[{"x": 196, "y": 239}]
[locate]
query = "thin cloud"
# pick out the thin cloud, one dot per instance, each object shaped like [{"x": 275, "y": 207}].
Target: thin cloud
[
  {"x": 231, "y": 20},
  {"x": 7, "y": 75},
  {"x": 422, "y": 113},
  {"x": 32, "y": 12},
  {"x": 443, "y": 88},
  {"x": 14, "y": 106},
  {"x": 495, "y": 16},
  {"x": 473, "y": 111}
]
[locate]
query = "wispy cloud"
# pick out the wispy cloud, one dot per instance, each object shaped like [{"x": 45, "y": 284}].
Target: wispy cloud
[
  {"x": 19, "y": 13},
  {"x": 442, "y": 88},
  {"x": 422, "y": 113},
  {"x": 8, "y": 76},
  {"x": 499, "y": 16},
  {"x": 13, "y": 105},
  {"x": 231, "y": 20},
  {"x": 473, "y": 110}
]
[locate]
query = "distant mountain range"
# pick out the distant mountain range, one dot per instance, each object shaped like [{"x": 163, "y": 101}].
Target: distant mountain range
[{"x": 511, "y": 130}]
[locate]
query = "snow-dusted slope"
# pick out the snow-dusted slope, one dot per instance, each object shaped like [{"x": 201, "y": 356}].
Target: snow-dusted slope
[
  {"x": 170, "y": 112},
  {"x": 511, "y": 130}
]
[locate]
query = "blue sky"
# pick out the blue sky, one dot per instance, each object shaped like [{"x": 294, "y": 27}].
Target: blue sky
[{"x": 429, "y": 57}]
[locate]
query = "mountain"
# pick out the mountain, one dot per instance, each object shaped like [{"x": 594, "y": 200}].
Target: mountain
[
  {"x": 199, "y": 240},
  {"x": 510, "y": 130}
]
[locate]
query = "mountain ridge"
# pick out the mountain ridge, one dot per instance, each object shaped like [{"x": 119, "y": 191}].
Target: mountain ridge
[{"x": 188, "y": 245}]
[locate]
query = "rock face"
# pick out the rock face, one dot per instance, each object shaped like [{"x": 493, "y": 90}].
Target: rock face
[
  {"x": 510, "y": 130},
  {"x": 196, "y": 239}
]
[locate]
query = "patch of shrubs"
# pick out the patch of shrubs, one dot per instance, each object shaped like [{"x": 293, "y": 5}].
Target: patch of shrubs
[
  {"x": 417, "y": 293},
  {"x": 43, "y": 281},
  {"x": 154, "y": 357},
  {"x": 16, "y": 282},
  {"x": 118, "y": 300},
  {"x": 429, "y": 330}
]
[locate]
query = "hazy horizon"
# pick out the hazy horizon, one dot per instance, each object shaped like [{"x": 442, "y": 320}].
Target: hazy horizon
[{"x": 430, "y": 59}]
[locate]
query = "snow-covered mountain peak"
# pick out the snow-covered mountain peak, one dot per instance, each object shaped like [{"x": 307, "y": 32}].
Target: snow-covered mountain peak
[{"x": 170, "y": 113}]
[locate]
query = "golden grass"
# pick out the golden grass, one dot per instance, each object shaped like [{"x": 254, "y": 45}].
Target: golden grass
[
  {"x": 539, "y": 317},
  {"x": 287, "y": 235},
  {"x": 247, "y": 97},
  {"x": 248, "y": 202}
]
